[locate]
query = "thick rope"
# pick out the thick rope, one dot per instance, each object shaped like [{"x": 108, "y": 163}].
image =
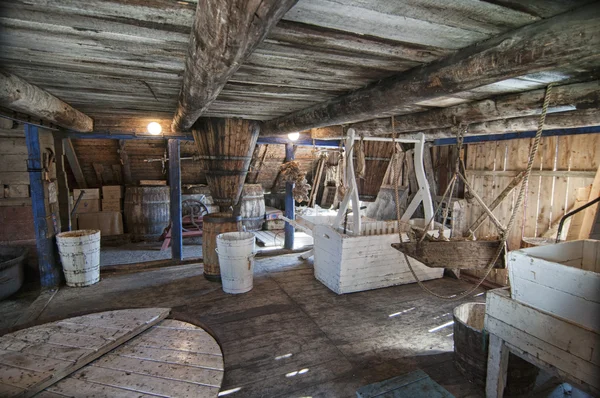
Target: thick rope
[{"x": 520, "y": 197}]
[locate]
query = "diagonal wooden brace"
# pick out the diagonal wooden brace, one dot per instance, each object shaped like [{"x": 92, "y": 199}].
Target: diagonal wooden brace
[
  {"x": 509, "y": 188},
  {"x": 491, "y": 215}
]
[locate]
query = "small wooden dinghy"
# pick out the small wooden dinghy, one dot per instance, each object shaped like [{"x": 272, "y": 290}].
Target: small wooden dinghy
[{"x": 463, "y": 254}]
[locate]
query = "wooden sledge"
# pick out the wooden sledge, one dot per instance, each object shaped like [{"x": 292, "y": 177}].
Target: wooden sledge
[{"x": 463, "y": 254}]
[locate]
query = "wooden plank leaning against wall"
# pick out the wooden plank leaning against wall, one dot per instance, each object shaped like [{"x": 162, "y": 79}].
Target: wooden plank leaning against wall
[{"x": 551, "y": 193}]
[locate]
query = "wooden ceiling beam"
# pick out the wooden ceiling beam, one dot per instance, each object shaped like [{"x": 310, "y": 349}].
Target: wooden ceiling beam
[
  {"x": 572, "y": 37},
  {"x": 224, "y": 34},
  {"x": 567, "y": 97},
  {"x": 574, "y": 96},
  {"x": 18, "y": 95},
  {"x": 560, "y": 120}
]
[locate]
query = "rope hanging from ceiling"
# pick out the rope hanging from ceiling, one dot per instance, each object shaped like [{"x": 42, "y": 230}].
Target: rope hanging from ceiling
[{"x": 457, "y": 174}]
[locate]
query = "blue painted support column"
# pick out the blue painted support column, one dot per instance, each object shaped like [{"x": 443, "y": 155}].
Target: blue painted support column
[
  {"x": 175, "y": 184},
  {"x": 290, "y": 211},
  {"x": 50, "y": 270}
]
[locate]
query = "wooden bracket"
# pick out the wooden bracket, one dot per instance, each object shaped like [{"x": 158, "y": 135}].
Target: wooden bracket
[
  {"x": 423, "y": 195},
  {"x": 352, "y": 192}
]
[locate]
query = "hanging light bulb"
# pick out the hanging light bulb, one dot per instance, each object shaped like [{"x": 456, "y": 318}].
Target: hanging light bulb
[
  {"x": 154, "y": 128},
  {"x": 293, "y": 136}
]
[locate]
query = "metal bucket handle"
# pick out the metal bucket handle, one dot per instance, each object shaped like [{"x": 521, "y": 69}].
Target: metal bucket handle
[{"x": 251, "y": 256}]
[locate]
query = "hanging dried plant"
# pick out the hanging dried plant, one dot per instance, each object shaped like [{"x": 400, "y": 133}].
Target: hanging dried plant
[{"x": 290, "y": 172}]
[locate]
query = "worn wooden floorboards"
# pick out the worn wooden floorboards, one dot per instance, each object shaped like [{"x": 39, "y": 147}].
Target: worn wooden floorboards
[{"x": 291, "y": 336}]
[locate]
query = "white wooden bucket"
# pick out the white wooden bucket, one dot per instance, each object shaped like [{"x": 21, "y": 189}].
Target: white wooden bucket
[
  {"x": 236, "y": 259},
  {"x": 80, "y": 256}
]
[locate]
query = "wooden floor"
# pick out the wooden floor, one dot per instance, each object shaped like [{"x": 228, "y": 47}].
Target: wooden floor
[
  {"x": 34, "y": 358},
  {"x": 170, "y": 359},
  {"x": 291, "y": 336}
]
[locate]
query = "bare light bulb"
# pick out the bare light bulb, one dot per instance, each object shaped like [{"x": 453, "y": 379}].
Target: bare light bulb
[
  {"x": 154, "y": 128},
  {"x": 293, "y": 136}
]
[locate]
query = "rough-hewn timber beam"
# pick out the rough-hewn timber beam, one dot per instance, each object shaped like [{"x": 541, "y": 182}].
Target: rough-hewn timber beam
[
  {"x": 566, "y": 38},
  {"x": 224, "y": 34},
  {"x": 18, "y": 95},
  {"x": 74, "y": 163},
  {"x": 564, "y": 98},
  {"x": 567, "y": 97},
  {"x": 560, "y": 120}
]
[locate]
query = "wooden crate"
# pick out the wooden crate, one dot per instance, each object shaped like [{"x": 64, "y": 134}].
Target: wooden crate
[
  {"x": 347, "y": 264},
  {"x": 562, "y": 279},
  {"x": 112, "y": 192}
]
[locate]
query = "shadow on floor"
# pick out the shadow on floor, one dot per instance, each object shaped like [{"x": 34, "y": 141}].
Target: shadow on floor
[{"x": 291, "y": 336}]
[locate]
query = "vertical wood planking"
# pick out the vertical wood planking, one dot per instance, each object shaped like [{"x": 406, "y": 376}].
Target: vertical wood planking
[
  {"x": 566, "y": 144},
  {"x": 518, "y": 159},
  {"x": 175, "y": 186},
  {"x": 546, "y": 196},
  {"x": 533, "y": 189},
  {"x": 487, "y": 188},
  {"x": 50, "y": 272},
  {"x": 471, "y": 152}
]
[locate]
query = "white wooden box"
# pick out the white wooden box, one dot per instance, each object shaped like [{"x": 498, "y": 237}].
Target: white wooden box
[
  {"x": 562, "y": 279},
  {"x": 309, "y": 221},
  {"x": 347, "y": 264}
]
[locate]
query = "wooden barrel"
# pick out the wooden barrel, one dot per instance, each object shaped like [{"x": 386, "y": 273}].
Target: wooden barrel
[
  {"x": 471, "y": 352},
  {"x": 377, "y": 159},
  {"x": 146, "y": 211},
  {"x": 225, "y": 146},
  {"x": 213, "y": 225},
  {"x": 252, "y": 207}
]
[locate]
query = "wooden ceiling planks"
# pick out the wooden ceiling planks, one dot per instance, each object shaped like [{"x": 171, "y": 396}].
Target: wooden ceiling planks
[
  {"x": 224, "y": 35},
  {"x": 450, "y": 25},
  {"x": 103, "y": 55},
  {"x": 127, "y": 57},
  {"x": 569, "y": 38}
]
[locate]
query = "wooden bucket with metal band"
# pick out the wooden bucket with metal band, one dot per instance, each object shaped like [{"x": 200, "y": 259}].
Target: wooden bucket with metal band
[
  {"x": 471, "y": 352},
  {"x": 213, "y": 225},
  {"x": 225, "y": 146},
  {"x": 252, "y": 207}
]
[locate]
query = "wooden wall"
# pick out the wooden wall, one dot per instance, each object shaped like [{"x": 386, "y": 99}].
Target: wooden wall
[
  {"x": 266, "y": 161},
  {"x": 564, "y": 167},
  {"x": 16, "y": 214},
  {"x": 267, "y": 173},
  {"x": 16, "y": 217}
]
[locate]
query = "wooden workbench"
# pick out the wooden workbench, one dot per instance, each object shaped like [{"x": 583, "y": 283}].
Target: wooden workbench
[{"x": 560, "y": 347}]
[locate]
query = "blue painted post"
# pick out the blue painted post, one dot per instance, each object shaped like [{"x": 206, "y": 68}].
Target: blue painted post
[
  {"x": 50, "y": 271},
  {"x": 289, "y": 202},
  {"x": 175, "y": 184}
]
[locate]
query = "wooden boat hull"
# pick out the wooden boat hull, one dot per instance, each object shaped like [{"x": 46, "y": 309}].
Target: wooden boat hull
[{"x": 453, "y": 254}]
